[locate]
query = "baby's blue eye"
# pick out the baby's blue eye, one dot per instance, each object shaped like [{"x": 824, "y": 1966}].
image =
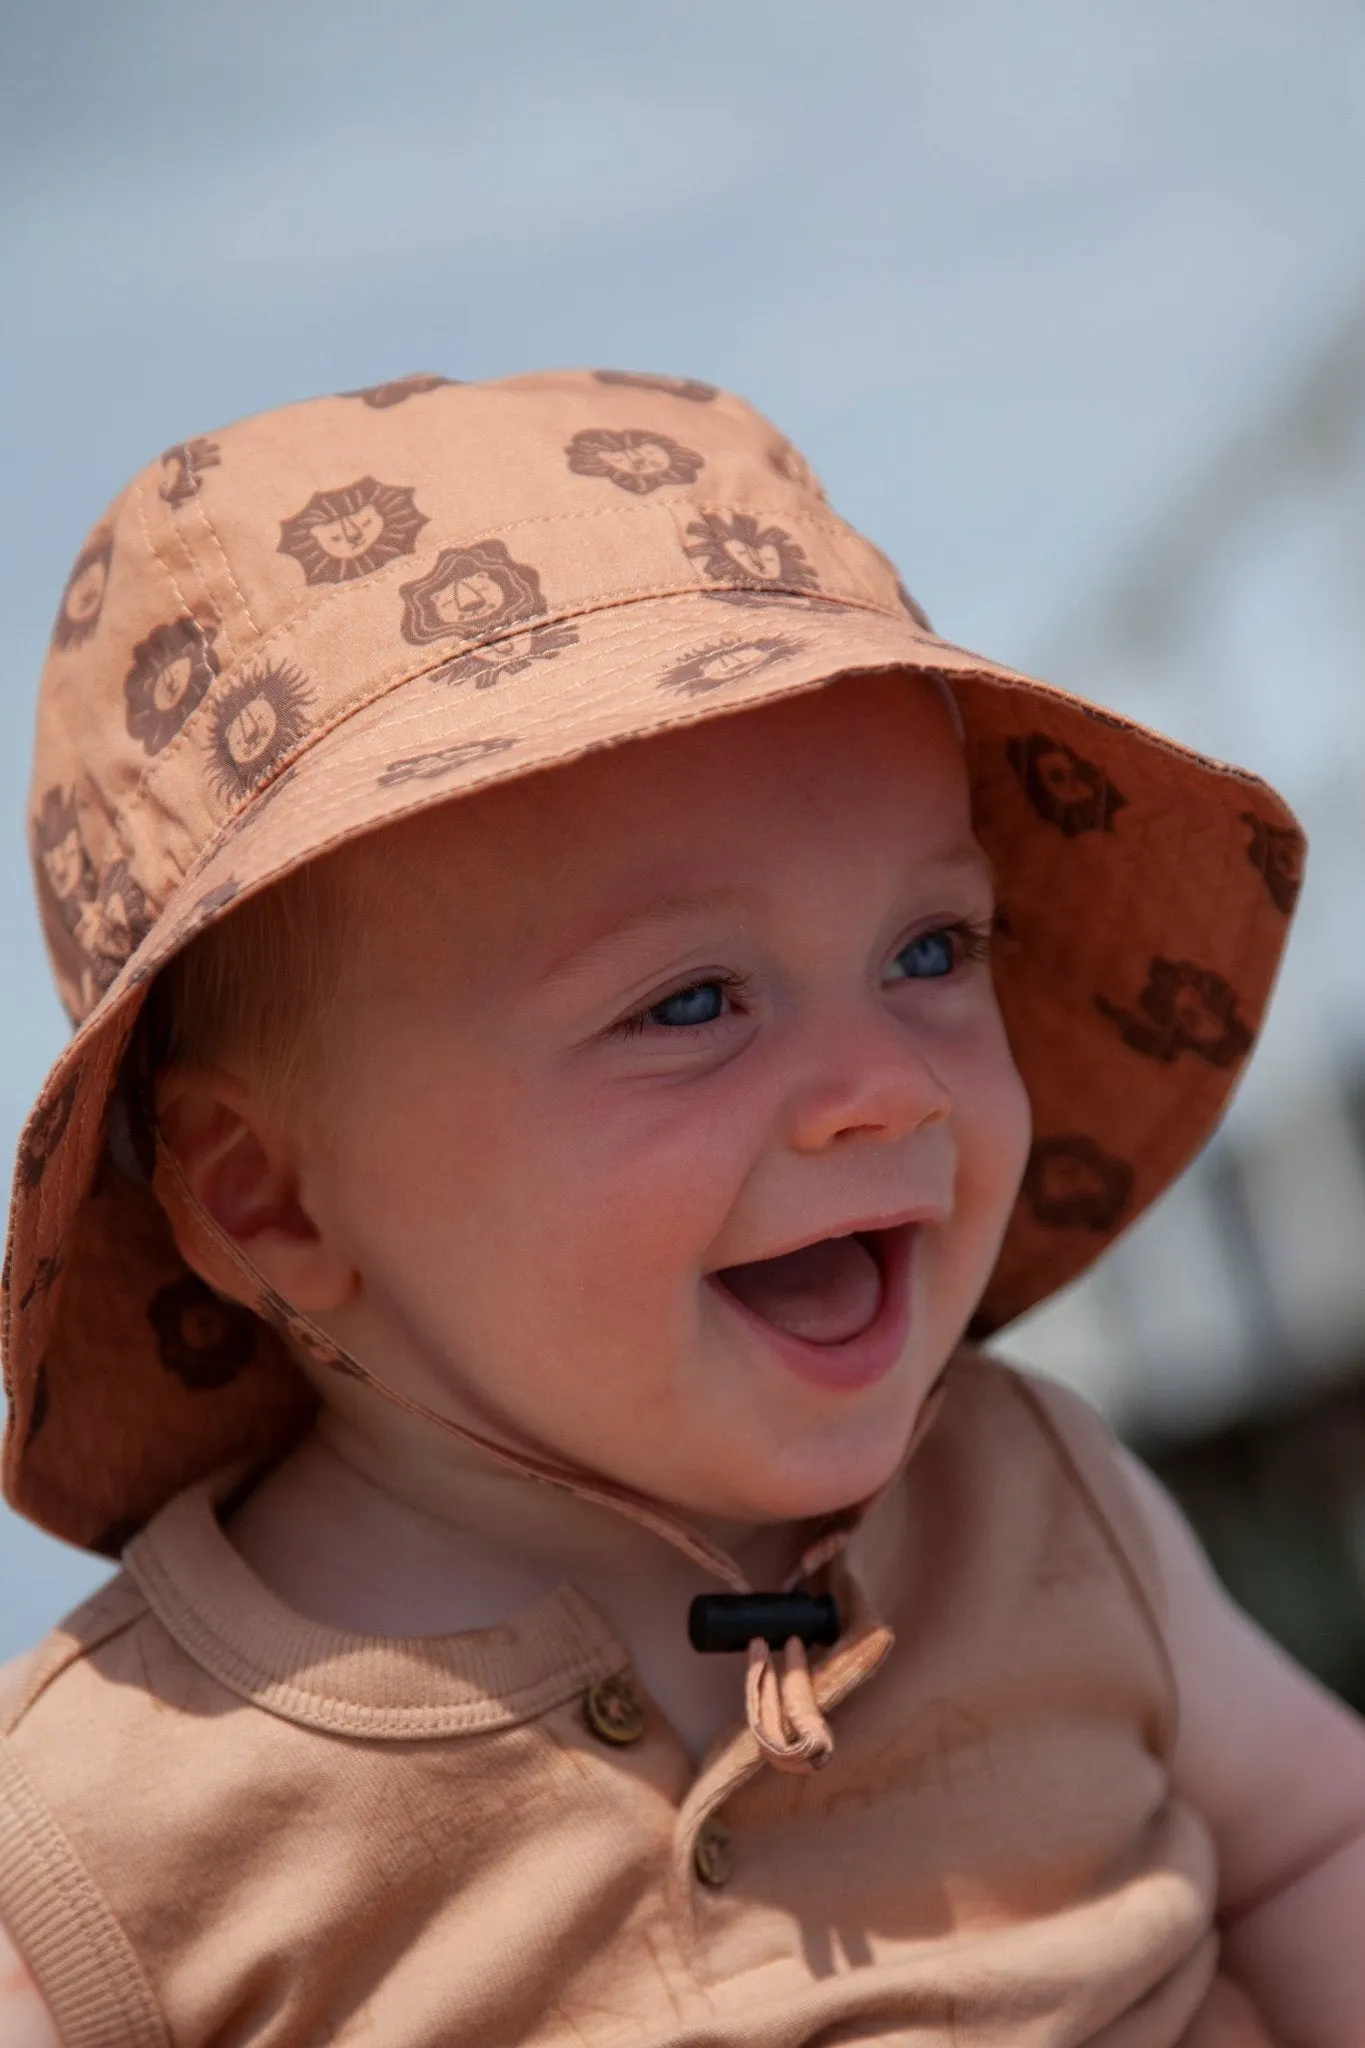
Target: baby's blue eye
[
  {"x": 928, "y": 956},
  {"x": 701, "y": 1004}
]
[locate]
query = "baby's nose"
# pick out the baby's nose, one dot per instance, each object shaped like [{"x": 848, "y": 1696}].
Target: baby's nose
[{"x": 874, "y": 1084}]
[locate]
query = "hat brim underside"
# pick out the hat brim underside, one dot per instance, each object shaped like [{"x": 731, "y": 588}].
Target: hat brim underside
[{"x": 1145, "y": 895}]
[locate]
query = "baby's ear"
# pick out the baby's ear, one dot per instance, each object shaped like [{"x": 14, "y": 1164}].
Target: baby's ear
[{"x": 231, "y": 1163}]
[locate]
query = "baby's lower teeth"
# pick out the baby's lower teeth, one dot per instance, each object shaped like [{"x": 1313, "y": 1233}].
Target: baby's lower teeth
[{"x": 826, "y": 1292}]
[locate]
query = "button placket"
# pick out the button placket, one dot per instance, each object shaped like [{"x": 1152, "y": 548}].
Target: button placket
[
  {"x": 613, "y": 1711},
  {"x": 713, "y": 1854}
]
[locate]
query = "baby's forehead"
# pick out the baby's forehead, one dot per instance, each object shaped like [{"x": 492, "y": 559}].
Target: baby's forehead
[{"x": 875, "y": 765}]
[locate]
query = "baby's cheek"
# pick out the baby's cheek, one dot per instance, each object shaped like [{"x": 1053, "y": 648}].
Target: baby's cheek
[
  {"x": 630, "y": 1247},
  {"x": 995, "y": 1127},
  {"x": 1015, "y": 1128}
]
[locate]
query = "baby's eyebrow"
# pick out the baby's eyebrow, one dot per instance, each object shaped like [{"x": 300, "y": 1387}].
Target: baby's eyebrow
[
  {"x": 970, "y": 859},
  {"x": 963, "y": 860},
  {"x": 657, "y": 914}
]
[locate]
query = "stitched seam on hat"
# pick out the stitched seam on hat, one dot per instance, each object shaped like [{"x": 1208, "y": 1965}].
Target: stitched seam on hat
[
  {"x": 820, "y": 615},
  {"x": 188, "y": 735},
  {"x": 665, "y": 633},
  {"x": 201, "y": 512},
  {"x": 662, "y": 512},
  {"x": 400, "y": 678},
  {"x": 682, "y": 716},
  {"x": 581, "y": 607},
  {"x": 174, "y": 581},
  {"x": 114, "y": 818},
  {"x": 396, "y": 678}
]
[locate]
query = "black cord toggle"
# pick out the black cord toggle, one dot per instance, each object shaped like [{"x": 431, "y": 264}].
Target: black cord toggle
[{"x": 731, "y": 1621}]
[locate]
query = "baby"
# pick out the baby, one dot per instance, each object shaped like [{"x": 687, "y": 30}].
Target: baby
[{"x": 584, "y": 1003}]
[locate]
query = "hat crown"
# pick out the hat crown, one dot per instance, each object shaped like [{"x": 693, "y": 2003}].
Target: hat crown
[{"x": 253, "y": 585}]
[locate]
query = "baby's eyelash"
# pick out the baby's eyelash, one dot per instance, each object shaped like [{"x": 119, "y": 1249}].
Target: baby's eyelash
[
  {"x": 734, "y": 986},
  {"x": 974, "y": 936}
]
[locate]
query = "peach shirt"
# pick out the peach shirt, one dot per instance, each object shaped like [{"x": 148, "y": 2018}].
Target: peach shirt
[{"x": 222, "y": 1824}]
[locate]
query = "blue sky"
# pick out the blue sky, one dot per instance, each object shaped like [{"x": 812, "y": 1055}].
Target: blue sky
[{"x": 1006, "y": 273}]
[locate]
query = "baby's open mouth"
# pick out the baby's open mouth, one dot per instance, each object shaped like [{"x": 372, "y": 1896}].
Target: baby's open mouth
[{"x": 824, "y": 1293}]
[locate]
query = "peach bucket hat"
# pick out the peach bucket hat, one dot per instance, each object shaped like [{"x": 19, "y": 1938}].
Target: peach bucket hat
[{"x": 331, "y": 615}]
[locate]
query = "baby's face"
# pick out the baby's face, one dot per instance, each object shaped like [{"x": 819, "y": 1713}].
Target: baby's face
[{"x": 668, "y": 1122}]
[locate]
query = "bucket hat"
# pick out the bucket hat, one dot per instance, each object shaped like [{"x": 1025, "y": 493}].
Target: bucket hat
[{"x": 326, "y": 617}]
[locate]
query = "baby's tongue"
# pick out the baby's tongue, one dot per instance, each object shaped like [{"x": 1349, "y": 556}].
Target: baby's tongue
[{"x": 826, "y": 1292}]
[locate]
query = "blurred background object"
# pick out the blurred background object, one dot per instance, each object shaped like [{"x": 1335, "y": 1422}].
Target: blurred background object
[
  {"x": 1231, "y": 1321},
  {"x": 1067, "y": 306}
]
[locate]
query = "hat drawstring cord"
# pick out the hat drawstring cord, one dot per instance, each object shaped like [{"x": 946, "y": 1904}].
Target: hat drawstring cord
[{"x": 783, "y": 1714}]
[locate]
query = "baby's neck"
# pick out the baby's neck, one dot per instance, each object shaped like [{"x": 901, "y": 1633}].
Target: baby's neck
[{"x": 450, "y": 1541}]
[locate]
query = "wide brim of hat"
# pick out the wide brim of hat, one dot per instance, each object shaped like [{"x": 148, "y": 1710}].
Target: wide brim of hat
[{"x": 1145, "y": 895}]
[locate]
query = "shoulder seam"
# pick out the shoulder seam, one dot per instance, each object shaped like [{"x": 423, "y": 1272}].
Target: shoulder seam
[
  {"x": 1113, "y": 1542},
  {"x": 107, "y": 1613}
]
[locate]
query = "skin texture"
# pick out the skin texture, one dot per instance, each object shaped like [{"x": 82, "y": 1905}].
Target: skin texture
[
  {"x": 513, "y": 1208},
  {"x": 517, "y": 1206}
]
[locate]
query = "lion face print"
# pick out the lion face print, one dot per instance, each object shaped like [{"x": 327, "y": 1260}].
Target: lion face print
[
  {"x": 83, "y": 599},
  {"x": 202, "y": 912},
  {"x": 203, "y": 1341},
  {"x": 791, "y": 465},
  {"x": 1064, "y": 789},
  {"x": 64, "y": 866},
  {"x": 727, "y": 661},
  {"x": 65, "y": 876},
  {"x": 634, "y": 459},
  {"x": 690, "y": 388},
  {"x": 112, "y": 925},
  {"x": 1071, "y": 1183},
  {"x": 42, "y": 1401},
  {"x": 439, "y": 761},
  {"x": 509, "y": 657},
  {"x": 747, "y": 599},
  {"x": 470, "y": 592},
  {"x": 253, "y": 724},
  {"x": 183, "y": 466},
  {"x": 381, "y": 396},
  {"x": 172, "y": 668},
  {"x": 44, "y": 1134},
  {"x": 213, "y": 900},
  {"x": 344, "y": 534},
  {"x": 1182, "y": 1008},
  {"x": 1276, "y": 853},
  {"x": 67, "y": 867},
  {"x": 738, "y": 550},
  {"x": 46, "y": 1273}
]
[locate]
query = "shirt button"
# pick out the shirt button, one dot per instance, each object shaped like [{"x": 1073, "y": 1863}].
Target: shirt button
[
  {"x": 613, "y": 1711},
  {"x": 713, "y": 1857}
]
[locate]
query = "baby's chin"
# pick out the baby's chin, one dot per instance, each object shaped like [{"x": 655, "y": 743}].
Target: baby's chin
[{"x": 794, "y": 1479}]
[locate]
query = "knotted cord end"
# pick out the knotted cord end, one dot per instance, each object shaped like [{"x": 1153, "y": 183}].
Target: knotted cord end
[{"x": 782, "y": 1711}]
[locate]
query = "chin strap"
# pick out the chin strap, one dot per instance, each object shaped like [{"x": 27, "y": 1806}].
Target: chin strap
[{"x": 781, "y": 1707}]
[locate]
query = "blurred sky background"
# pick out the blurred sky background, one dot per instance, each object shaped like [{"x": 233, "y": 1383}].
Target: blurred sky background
[{"x": 1015, "y": 277}]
